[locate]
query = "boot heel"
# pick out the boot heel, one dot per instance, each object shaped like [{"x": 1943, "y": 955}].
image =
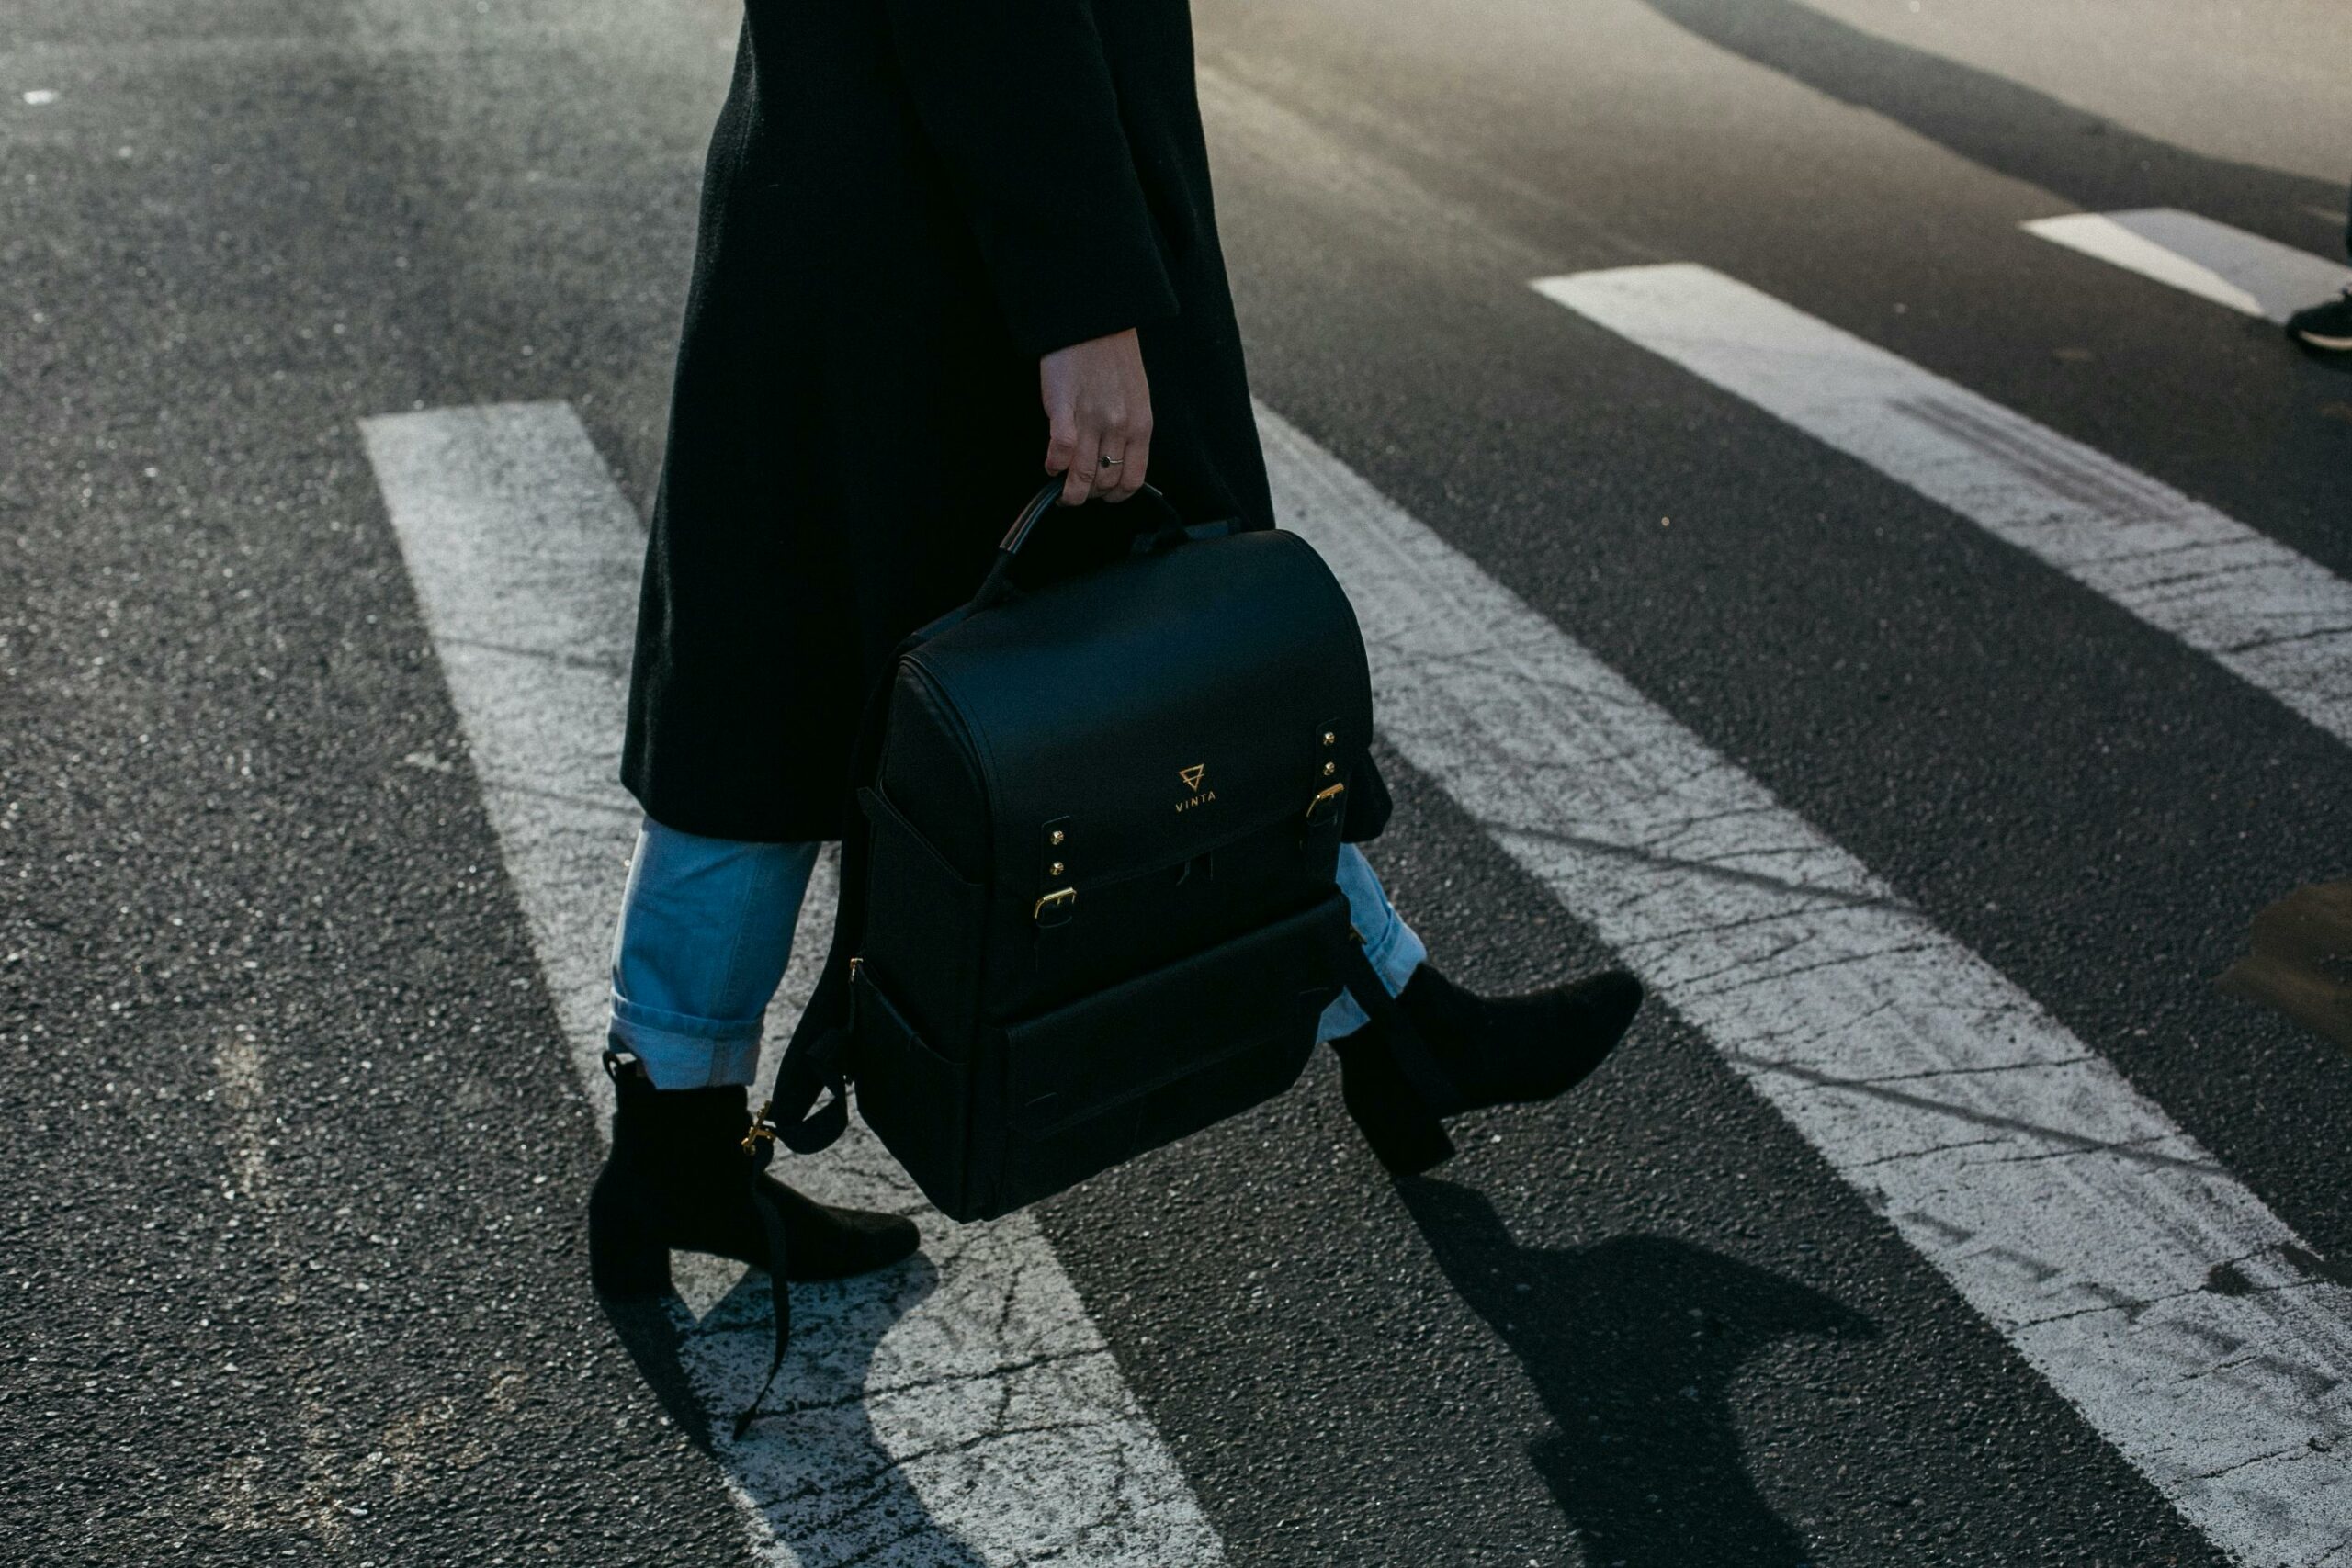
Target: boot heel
[
  {"x": 628, "y": 1259},
  {"x": 1405, "y": 1136}
]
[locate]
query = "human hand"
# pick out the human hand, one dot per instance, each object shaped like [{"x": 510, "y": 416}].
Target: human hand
[{"x": 1098, "y": 406}]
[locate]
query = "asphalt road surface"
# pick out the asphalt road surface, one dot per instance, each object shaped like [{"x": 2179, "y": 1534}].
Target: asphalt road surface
[{"x": 1918, "y": 642}]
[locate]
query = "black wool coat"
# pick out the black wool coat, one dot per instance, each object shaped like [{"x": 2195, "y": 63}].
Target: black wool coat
[{"x": 907, "y": 203}]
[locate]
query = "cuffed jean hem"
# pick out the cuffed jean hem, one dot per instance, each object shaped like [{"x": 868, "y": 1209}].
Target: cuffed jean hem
[
  {"x": 680, "y": 1052},
  {"x": 705, "y": 933},
  {"x": 1393, "y": 946}
]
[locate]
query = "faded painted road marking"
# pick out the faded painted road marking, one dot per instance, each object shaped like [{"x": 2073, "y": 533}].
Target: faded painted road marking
[
  {"x": 265, "y": 1496},
  {"x": 2213, "y": 261},
  {"x": 960, "y": 1412},
  {"x": 2061, "y": 1205},
  {"x": 2276, "y": 619}
]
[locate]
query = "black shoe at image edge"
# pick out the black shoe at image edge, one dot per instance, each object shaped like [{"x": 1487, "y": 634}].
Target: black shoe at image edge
[{"x": 2326, "y": 327}]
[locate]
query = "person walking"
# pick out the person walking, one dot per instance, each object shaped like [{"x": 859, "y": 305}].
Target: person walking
[
  {"x": 2326, "y": 328},
  {"x": 937, "y": 239}
]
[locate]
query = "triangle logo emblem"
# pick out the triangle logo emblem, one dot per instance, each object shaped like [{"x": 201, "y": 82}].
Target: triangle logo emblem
[{"x": 1193, "y": 775}]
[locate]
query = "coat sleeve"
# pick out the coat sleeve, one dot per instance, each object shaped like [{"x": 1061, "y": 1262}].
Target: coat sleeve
[{"x": 1017, "y": 100}]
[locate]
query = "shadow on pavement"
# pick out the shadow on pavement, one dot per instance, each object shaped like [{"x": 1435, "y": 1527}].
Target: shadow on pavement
[
  {"x": 651, "y": 1332},
  {"x": 1632, "y": 1344},
  {"x": 828, "y": 1487},
  {"x": 2007, "y": 127}
]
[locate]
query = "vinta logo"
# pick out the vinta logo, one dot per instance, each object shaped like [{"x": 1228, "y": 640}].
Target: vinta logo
[{"x": 1192, "y": 778}]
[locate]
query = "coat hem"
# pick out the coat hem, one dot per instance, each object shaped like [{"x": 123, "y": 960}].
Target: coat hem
[{"x": 739, "y": 827}]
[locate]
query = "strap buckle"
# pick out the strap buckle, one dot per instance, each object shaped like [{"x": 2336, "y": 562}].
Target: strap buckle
[{"x": 762, "y": 1130}]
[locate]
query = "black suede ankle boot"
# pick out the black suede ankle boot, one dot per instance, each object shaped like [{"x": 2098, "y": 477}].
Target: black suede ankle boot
[
  {"x": 1491, "y": 1051},
  {"x": 676, "y": 1179},
  {"x": 1514, "y": 1050}
]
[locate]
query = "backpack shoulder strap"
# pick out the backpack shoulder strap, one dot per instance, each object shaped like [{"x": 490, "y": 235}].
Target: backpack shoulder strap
[
  {"x": 811, "y": 1064},
  {"x": 812, "y": 1059}
]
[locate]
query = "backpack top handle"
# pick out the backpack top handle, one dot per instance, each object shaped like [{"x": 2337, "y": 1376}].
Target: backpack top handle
[
  {"x": 1170, "y": 530},
  {"x": 1050, "y": 496}
]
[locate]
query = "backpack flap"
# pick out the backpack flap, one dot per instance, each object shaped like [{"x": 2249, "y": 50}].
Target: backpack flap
[{"x": 1176, "y": 718}]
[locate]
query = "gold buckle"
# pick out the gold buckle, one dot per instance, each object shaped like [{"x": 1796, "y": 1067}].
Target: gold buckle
[
  {"x": 1059, "y": 898},
  {"x": 1322, "y": 796},
  {"x": 763, "y": 1131}
]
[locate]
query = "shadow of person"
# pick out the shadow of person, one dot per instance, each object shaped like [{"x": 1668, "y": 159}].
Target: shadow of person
[
  {"x": 1632, "y": 1344},
  {"x": 2005, "y": 126},
  {"x": 812, "y": 1463}
]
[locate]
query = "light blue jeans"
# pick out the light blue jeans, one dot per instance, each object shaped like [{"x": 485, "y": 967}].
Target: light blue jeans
[{"x": 705, "y": 928}]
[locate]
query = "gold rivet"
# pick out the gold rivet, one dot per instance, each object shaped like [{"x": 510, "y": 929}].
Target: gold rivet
[
  {"x": 1330, "y": 768},
  {"x": 1056, "y": 871},
  {"x": 1058, "y": 836},
  {"x": 1330, "y": 739}
]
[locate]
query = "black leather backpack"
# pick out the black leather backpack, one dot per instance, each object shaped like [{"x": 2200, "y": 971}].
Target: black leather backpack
[{"x": 1087, "y": 904}]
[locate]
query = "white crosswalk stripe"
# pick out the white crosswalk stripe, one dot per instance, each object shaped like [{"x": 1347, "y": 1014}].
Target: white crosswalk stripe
[
  {"x": 944, "y": 1416},
  {"x": 2060, "y": 1203},
  {"x": 2247, "y": 273},
  {"x": 2271, "y": 616}
]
